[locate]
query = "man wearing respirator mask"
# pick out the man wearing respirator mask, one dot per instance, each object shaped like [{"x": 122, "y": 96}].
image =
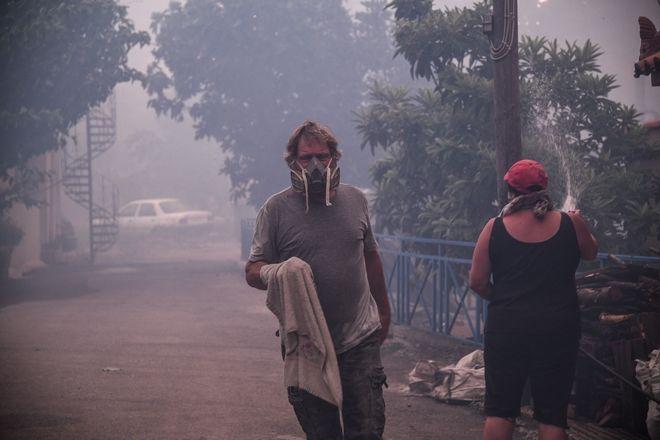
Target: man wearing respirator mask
[{"x": 326, "y": 224}]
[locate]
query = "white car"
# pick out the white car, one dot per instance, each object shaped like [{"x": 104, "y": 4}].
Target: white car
[{"x": 160, "y": 213}]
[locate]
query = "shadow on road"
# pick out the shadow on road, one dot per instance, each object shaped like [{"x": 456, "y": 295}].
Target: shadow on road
[{"x": 47, "y": 284}]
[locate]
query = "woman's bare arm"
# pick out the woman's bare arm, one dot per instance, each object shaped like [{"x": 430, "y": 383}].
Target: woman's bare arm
[
  {"x": 586, "y": 241},
  {"x": 481, "y": 267}
]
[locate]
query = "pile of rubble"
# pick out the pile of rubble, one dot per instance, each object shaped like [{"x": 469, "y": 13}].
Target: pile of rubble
[{"x": 620, "y": 307}]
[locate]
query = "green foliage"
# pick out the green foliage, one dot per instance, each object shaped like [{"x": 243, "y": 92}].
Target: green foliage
[
  {"x": 438, "y": 177},
  {"x": 21, "y": 184},
  {"x": 411, "y": 9},
  {"x": 59, "y": 59},
  {"x": 604, "y": 145},
  {"x": 247, "y": 72},
  {"x": 435, "y": 40},
  {"x": 430, "y": 168}
]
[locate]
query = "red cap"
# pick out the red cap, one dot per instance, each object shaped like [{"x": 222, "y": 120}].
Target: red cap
[{"x": 526, "y": 174}]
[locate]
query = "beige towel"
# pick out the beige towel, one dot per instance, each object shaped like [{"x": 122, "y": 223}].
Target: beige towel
[{"x": 310, "y": 362}]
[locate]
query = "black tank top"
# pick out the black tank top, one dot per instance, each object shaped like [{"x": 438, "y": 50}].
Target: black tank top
[{"x": 534, "y": 283}]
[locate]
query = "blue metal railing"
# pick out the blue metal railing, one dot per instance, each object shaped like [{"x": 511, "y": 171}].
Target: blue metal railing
[
  {"x": 603, "y": 258},
  {"x": 427, "y": 282},
  {"x": 449, "y": 306},
  {"x": 430, "y": 276}
]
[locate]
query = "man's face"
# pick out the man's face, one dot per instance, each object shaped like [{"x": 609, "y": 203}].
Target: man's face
[{"x": 310, "y": 148}]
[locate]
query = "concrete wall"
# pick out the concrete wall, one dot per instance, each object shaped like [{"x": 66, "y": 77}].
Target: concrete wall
[{"x": 41, "y": 224}]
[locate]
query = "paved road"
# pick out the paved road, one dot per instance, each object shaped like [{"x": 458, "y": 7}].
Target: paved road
[{"x": 174, "y": 350}]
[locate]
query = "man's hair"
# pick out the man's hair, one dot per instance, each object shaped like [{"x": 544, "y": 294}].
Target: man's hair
[{"x": 311, "y": 131}]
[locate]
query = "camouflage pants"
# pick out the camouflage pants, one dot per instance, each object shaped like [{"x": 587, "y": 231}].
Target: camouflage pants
[{"x": 362, "y": 380}]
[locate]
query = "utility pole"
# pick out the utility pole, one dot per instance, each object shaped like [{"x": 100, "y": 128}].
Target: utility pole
[{"x": 502, "y": 30}]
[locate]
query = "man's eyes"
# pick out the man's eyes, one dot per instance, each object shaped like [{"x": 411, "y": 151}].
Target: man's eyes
[{"x": 320, "y": 157}]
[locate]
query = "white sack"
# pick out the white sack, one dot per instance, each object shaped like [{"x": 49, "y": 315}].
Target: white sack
[
  {"x": 648, "y": 375},
  {"x": 460, "y": 382}
]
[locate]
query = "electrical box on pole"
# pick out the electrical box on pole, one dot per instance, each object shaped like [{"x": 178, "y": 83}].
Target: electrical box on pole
[{"x": 502, "y": 30}]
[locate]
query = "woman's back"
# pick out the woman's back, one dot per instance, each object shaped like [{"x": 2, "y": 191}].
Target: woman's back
[
  {"x": 525, "y": 226},
  {"x": 533, "y": 264}
]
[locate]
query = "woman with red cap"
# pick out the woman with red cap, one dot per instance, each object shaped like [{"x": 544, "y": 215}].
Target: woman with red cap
[{"x": 533, "y": 325}]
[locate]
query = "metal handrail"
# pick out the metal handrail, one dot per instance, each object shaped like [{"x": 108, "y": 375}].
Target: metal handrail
[
  {"x": 448, "y": 291},
  {"x": 604, "y": 256},
  {"x": 429, "y": 281},
  {"x": 434, "y": 282},
  {"x": 427, "y": 240}
]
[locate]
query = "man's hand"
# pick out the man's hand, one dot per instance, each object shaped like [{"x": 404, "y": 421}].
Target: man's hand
[
  {"x": 253, "y": 276},
  {"x": 378, "y": 290}
]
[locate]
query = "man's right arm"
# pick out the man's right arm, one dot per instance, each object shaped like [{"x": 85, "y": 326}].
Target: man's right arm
[
  {"x": 252, "y": 275},
  {"x": 262, "y": 251}
]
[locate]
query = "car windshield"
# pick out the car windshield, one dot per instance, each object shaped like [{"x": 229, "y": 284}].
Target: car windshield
[
  {"x": 147, "y": 210},
  {"x": 128, "y": 211},
  {"x": 172, "y": 206}
]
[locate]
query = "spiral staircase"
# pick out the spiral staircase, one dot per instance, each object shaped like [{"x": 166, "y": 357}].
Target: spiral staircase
[{"x": 97, "y": 194}]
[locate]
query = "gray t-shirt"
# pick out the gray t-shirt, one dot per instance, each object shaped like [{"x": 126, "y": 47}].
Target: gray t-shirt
[{"x": 332, "y": 240}]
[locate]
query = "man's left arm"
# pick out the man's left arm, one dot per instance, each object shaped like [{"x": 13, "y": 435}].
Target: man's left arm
[{"x": 378, "y": 289}]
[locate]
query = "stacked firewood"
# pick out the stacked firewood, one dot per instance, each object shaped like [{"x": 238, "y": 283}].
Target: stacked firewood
[{"x": 620, "y": 307}]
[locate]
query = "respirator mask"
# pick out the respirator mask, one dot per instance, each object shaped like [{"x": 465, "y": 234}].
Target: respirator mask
[{"x": 315, "y": 178}]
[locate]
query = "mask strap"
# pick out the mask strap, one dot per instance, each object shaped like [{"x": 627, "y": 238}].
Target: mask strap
[
  {"x": 304, "y": 178},
  {"x": 327, "y": 184}
]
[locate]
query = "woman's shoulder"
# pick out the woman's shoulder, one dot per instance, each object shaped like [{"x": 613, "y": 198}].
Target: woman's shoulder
[
  {"x": 490, "y": 223},
  {"x": 487, "y": 230}
]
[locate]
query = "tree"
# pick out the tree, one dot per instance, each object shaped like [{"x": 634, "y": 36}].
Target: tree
[
  {"x": 59, "y": 59},
  {"x": 438, "y": 178},
  {"x": 373, "y": 34},
  {"x": 247, "y": 72}
]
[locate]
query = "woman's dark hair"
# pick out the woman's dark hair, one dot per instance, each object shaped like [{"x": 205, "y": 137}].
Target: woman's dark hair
[{"x": 531, "y": 189}]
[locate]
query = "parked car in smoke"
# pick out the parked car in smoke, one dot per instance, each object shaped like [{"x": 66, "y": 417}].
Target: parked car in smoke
[{"x": 160, "y": 213}]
